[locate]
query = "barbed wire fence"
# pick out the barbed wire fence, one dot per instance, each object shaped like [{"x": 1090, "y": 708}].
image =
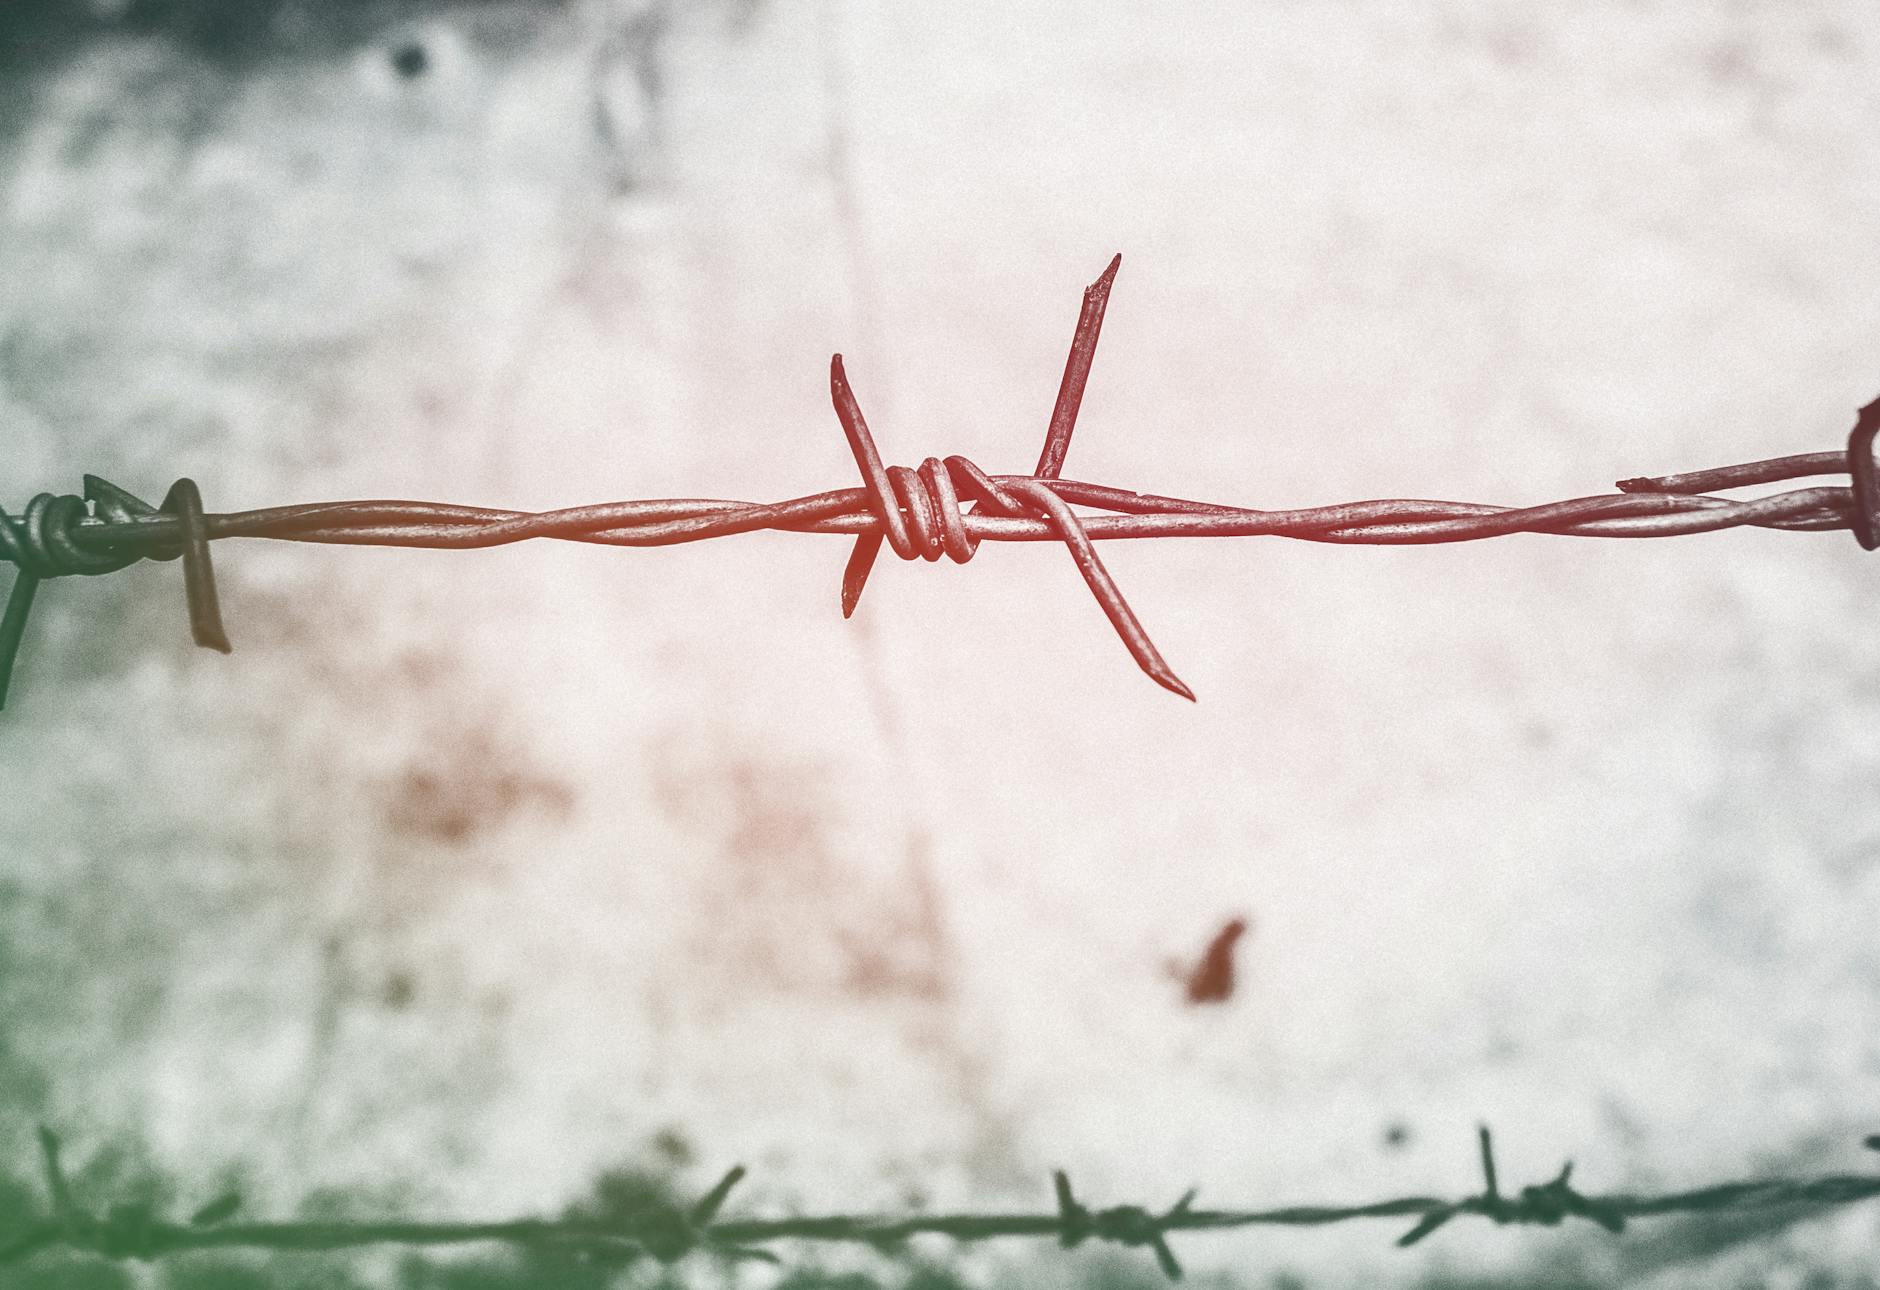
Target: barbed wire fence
[
  {"x": 667, "y": 1233},
  {"x": 918, "y": 513}
]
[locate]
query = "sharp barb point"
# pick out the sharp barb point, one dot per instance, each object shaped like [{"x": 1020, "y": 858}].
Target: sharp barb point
[
  {"x": 205, "y": 613},
  {"x": 1425, "y": 1225},
  {"x": 216, "y": 1211},
  {"x": 1165, "y": 1259},
  {"x": 13, "y": 625},
  {"x": 1174, "y": 685},
  {"x": 855, "y": 573},
  {"x": 713, "y": 1200}
]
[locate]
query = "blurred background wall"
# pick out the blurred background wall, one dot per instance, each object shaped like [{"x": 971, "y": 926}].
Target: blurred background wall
[{"x": 471, "y": 877}]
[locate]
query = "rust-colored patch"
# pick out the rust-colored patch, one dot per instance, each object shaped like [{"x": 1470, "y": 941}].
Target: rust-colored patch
[
  {"x": 1212, "y": 979},
  {"x": 782, "y": 905},
  {"x": 458, "y": 788}
]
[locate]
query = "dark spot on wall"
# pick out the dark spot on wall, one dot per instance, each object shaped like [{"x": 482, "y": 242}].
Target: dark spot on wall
[
  {"x": 1500, "y": 1048},
  {"x": 231, "y": 33},
  {"x": 1212, "y": 979},
  {"x": 423, "y": 667},
  {"x": 626, "y": 1191},
  {"x": 399, "y": 990},
  {"x": 1513, "y": 44},
  {"x": 453, "y": 806},
  {"x": 1831, "y": 38},
  {"x": 34, "y": 31},
  {"x": 1730, "y": 63},
  {"x": 672, "y": 1146},
  {"x": 410, "y": 61},
  {"x": 1396, "y": 1136}
]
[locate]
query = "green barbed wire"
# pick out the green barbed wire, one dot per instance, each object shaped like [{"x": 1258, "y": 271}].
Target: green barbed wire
[{"x": 667, "y": 1232}]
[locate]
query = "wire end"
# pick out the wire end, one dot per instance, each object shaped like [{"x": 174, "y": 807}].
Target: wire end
[{"x": 1173, "y": 684}]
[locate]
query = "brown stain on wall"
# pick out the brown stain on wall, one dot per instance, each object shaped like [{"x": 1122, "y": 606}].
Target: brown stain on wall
[
  {"x": 781, "y": 905},
  {"x": 457, "y": 790}
]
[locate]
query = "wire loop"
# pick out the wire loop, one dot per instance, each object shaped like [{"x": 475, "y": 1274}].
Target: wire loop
[
  {"x": 1544, "y": 1204},
  {"x": 43, "y": 543},
  {"x": 1860, "y": 464},
  {"x": 1126, "y": 1225}
]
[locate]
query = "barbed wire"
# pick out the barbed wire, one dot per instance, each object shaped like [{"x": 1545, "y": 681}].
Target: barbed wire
[
  {"x": 918, "y": 513},
  {"x": 668, "y": 1232}
]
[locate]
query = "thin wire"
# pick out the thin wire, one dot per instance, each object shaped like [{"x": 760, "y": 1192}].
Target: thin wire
[
  {"x": 669, "y": 1232},
  {"x": 923, "y": 514}
]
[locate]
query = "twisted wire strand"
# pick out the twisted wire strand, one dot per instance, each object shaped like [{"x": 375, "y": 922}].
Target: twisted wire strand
[
  {"x": 669, "y": 1232},
  {"x": 944, "y": 508}
]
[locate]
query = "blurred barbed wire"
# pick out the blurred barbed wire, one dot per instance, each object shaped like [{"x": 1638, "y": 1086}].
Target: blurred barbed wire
[
  {"x": 667, "y": 1232},
  {"x": 919, "y": 514}
]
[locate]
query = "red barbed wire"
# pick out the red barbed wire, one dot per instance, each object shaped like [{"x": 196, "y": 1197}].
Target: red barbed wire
[
  {"x": 919, "y": 514},
  {"x": 668, "y": 1232}
]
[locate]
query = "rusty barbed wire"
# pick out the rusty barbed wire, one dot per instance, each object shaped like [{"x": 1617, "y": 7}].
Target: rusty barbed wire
[
  {"x": 919, "y": 514},
  {"x": 668, "y": 1233}
]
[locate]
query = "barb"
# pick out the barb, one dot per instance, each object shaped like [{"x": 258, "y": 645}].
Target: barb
[
  {"x": 945, "y": 507},
  {"x": 668, "y": 1233}
]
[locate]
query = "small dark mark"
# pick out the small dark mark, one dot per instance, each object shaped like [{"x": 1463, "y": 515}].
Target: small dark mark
[
  {"x": 399, "y": 990},
  {"x": 674, "y": 1147},
  {"x": 410, "y": 61},
  {"x": 1212, "y": 979},
  {"x": 1396, "y": 1135}
]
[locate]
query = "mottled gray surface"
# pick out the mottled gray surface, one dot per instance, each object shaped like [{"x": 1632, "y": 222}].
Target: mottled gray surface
[{"x": 468, "y": 874}]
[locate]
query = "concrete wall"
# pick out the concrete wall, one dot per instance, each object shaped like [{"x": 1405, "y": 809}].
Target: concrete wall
[{"x": 470, "y": 875}]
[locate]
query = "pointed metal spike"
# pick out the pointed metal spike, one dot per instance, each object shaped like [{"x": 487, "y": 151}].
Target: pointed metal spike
[
  {"x": 1491, "y": 1190},
  {"x": 868, "y": 460},
  {"x": 1103, "y": 587},
  {"x": 1165, "y": 1257},
  {"x": 748, "y": 1254},
  {"x": 220, "y": 1209},
  {"x": 708, "y": 1206},
  {"x": 13, "y": 626},
  {"x": 54, "y": 1169},
  {"x": 1070, "y": 396},
  {"x": 855, "y": 573},
  {"x": 205, "y": 612},
  {"x": 114, "y": 503},
  {"x": 1425, "y": 1225}
]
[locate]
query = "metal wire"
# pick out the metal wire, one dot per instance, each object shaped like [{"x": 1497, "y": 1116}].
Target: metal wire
[
  {"x": 668, "y": 1233},
  {"x": 920, "y": 514}
]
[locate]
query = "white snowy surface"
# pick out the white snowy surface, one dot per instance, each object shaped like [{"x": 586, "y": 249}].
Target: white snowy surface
[{"x": 466, "y": 874}]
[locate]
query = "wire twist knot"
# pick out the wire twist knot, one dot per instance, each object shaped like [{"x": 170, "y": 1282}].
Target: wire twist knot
[
  {"x": 669, "y": 1233},
  {"x": 1127, "y": 1225},
  {"x": 1542, "y": 1204},
  {"x": 42, "y": 545},
  {"x": 123, "y": 1231},
  {"x": 1865, "y": 520},
  {"x": 917, "y": 512},
  {"x": 40, "y": 541}
]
